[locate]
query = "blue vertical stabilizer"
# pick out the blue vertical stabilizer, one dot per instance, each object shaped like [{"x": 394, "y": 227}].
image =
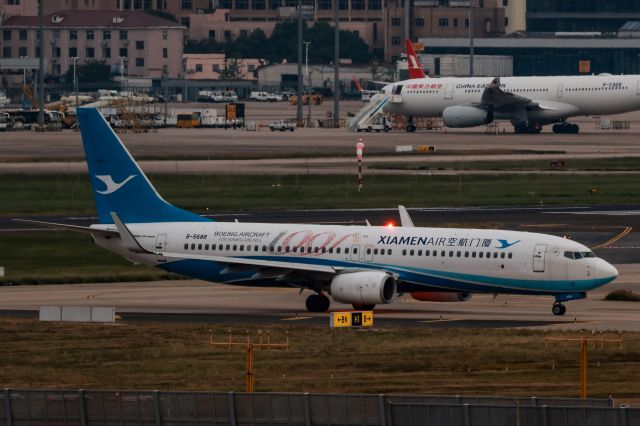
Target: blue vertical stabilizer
[{"x": 119, "y": 185}]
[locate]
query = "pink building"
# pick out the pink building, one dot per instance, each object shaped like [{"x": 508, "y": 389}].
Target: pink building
[
  {"x": 18, "y": 7},
  {"x": 211, "y": 66},
  {"x": 147, "y": 45}
]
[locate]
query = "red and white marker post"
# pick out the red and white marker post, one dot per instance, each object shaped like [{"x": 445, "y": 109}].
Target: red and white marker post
[{"x": 359, "y": 151}]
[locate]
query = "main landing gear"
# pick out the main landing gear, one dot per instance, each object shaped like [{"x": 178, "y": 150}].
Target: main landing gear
[
  {"x": 566, "y": 128},
  {"x": 532, "y": 128},
  {"x": 411, "y": 127},
  {"x": 318, "y": 303},
  {"x": 558, "y": 308}
]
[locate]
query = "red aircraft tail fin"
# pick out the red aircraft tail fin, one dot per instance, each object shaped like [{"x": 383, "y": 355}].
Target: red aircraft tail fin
[{"x": 415, "y": 67}]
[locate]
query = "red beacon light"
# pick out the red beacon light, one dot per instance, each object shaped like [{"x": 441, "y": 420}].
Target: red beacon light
[{"x": 390, "y": 225}]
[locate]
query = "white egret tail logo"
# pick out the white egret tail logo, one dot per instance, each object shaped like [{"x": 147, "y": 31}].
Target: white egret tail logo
[{"x": 111, "y": 185}]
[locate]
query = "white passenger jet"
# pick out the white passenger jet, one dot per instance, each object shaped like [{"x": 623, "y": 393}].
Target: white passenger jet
[
  {"x": 528, "y": 102},
  {"x": 360, "y": 265}
]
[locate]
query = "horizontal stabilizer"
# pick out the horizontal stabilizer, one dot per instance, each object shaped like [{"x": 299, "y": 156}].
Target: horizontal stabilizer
[{"x": 67, "y": 227}]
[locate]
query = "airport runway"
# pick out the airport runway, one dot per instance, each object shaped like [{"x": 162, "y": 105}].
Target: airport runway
[{"x": 197, "y": 301}]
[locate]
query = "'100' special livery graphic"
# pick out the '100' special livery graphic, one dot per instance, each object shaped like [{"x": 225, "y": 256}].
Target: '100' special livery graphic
[{"x": 359, "y": 265}]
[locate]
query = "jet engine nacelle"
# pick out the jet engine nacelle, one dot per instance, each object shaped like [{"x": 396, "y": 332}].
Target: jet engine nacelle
[
  {"x": 466, "y": 116},
  {"x": 440, "y": 296},
  {"x": 366, "y": 288}
]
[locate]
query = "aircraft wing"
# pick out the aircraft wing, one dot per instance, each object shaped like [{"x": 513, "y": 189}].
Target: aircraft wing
[{"x": 495, "y": 98}]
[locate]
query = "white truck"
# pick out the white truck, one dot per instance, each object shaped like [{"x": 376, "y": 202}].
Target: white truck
[
  {"x": 283, "y": 125},
  {"x": 264, "y": 97},
  {"x": 376, "y": 123}
]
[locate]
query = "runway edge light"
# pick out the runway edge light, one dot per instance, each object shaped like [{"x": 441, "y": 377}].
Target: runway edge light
[{"x": 351, "y": 319}]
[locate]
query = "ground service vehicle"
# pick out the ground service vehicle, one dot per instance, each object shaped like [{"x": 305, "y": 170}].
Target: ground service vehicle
[{"x": 283, "y": 125}]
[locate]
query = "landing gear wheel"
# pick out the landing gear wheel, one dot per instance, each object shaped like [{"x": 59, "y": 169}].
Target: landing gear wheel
[
  {"x": 411, "y": 128},
  {"x": 558, "y": 309},
  {"x": 566, "y": 128},
  {"x": 318, "y": 303},
  {"x": 363, "y": 307},
  {"x": 535, "y": 128},
  {"x": 520, "y": 128}
]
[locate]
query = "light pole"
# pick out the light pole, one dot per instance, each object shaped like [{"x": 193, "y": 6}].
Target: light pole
[
  {"x": 24, "y": 82},
  {"x": 300, "y": 78},
  {"x": 306, "y": 71},
  {"x": 472, "y": 22},
  {"x": 123, "y": 61},
  {"x": 75, "y": 80}
]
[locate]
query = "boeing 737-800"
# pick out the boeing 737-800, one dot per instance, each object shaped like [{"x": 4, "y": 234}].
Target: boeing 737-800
[
  {"x": 359, "y": 265},
  {"x": 528, "y": 102}
]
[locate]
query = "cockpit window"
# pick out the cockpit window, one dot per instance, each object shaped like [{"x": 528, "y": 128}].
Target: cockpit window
[{"x": 578, "y": 254}]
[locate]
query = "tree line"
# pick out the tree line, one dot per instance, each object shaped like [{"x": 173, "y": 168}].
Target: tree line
[{"x": 282, "y": 46}]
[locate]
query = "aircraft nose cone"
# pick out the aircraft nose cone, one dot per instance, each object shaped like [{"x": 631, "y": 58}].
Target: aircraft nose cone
[{"x": 605, "y": 270}]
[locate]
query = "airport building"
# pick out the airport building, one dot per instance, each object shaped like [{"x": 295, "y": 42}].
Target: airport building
[
  {"x": 381, "y": 24},
  {"x": 145, "y": 45},
  {"x": 548, "y": 54}
]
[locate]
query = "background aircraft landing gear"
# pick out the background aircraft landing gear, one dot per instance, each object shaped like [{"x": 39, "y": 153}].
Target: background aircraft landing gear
[
  {"x": 566, "y": 128},
  {"x": 531, "y": 128},
  {"x": 411, "y": 127},
  {"x": 558, "y": 308},
  {"x": 318, "y": 303},
  {"x": 360, "y": 307}
]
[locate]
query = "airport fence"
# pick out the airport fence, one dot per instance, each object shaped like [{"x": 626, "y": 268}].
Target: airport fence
[{"x": 20, "y": 407}]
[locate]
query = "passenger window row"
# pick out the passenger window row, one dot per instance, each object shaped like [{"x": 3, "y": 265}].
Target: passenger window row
[
  {"x": 458, "y": 253},
  {"x": 272, "y": 249}
]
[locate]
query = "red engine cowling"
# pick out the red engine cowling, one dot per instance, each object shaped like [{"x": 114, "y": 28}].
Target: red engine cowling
[{"x": 440, "y": 296}]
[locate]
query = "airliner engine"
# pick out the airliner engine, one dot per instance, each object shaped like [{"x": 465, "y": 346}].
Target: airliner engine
[
  {"x": 438, "y": 296},
  {"x": 366, "y": 288},
  {"x": 466, "y": 116}
]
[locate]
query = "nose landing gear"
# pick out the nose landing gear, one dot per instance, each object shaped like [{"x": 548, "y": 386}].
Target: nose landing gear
[{"x": 558, "y": 308}]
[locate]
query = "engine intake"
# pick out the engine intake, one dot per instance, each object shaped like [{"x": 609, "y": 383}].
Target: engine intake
[
  {"x": 440, "y": 296},
  {"x": 466, "y": 116},
  {"x": 366, "y": 288}
]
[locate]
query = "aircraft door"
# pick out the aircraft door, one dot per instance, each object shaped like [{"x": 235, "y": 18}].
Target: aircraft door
[
  {"x": 560, "y": 90},
  {"x": 368, "y": 253},
  {"x": 397, "y": 90},
  {"x": 448, "y": 91},
  {"x": 160, "y": 246},
  {"x": 538, "y": 257},
  {"x": 355, "y": 252}
]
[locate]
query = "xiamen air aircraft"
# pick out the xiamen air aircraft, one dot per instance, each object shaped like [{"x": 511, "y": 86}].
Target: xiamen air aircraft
[
  {"x": 359, "y": 265},
  {"x": 528, "y": 102}
]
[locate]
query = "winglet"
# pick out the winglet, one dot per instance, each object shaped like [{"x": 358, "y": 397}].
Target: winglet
[
  {"x": 415, "y": 67},
  {"x": 405, "y": 219},
  {"x": 129, "y": 241}
]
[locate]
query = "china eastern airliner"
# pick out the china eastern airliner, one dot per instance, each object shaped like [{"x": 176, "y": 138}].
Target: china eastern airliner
[
  {"x": 528, "y": 102},
  {"x": 359, "y": 265}
]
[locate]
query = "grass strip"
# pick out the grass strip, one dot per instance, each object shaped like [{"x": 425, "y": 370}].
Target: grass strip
[
  {"x": 71, "y": 193},
  {"x": 603, "y": 164},
  {"x": 173, "y": 356}
]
